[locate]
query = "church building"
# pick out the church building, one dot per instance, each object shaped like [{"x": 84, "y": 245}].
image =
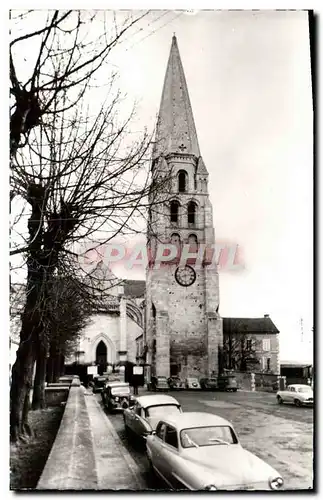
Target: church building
[
  {"x": 109, "y": 339},
  {"x": 183, "y": 326}
]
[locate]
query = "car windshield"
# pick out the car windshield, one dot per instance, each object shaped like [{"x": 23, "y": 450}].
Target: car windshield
[
  {"x": 304, "y": 389},
  {"x": 207, "y": 436},
  {"x": 120, "y": 389},
  {"x": 162, "y": 410}
]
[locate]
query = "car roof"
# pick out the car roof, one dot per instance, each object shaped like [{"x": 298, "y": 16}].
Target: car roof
[
  {"x": 156, "y": 399},
  {"x": 115, "y": 383},
  {"x": 299, "y": 385},
  {"x": 195, "y": 419}
]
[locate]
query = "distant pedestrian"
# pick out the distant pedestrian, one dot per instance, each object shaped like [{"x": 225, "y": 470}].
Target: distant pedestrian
[{"x": 135, "y": 390}]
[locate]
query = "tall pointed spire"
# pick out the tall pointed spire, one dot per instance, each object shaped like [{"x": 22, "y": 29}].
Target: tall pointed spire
[{"x": 175, "y": 131}]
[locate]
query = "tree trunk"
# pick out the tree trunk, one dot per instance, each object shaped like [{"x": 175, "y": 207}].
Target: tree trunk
[
  {"x": 230, "y": 352},
  {"x": 39, "y": 382},
  {"x": 57, "y": 367},
  {"x": 50, "y": 370},
  {"x": 22, "y": 371}
]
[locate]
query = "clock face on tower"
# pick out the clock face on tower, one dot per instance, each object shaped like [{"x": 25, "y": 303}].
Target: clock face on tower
[{"x": 185, "y": 276}]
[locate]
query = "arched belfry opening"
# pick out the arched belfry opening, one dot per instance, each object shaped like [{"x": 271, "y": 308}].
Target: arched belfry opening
[
  {"x": 191, "y": 213},
  {"x": 182, "y": 181},
  {"x": 174, "y": 211},
  {"x": 101, "y": 357}
]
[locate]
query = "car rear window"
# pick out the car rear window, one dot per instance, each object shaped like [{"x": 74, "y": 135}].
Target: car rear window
[
  {"x": 121, "y": 389},
  {"x": 207, "y": 436},
  {"x": 162, "y": 410}
]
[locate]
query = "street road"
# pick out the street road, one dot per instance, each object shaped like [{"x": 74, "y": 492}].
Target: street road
[{"x": 280, "y": 435}]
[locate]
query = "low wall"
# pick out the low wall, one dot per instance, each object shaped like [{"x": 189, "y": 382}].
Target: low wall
[
  {"x": 262, "y": 381},
  {"x": 243, "y": 380},
  {"x": 266, "y": 382},
  {"x": 55, "y": 396},
  {"x": 71, "y": 463}
]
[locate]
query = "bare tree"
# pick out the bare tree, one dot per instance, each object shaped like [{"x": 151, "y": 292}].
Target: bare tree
[
  {"x": 80, "y": 175},
  {"x": 238, "y": 351},
  {"x": 69, "y": 47},
  {"x": 66, "y": 312}
]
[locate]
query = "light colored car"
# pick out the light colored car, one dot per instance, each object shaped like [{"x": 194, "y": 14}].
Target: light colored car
[
  {"x": 192, "y": 383},
  {"x": 201, "y": 451},
  {"x": 141, "y": 419},
  {"x": 299, "y": 394}
]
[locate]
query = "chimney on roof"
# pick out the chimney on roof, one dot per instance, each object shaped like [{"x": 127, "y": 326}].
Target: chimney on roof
[{"x": 266, "y": 315}]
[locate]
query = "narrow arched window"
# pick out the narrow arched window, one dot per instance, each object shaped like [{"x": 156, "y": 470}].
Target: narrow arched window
[
  {"x": 182, "y": 181},
  {"x": 175, "y": 239},
  {"x": 153, "y": 310},
  {"x": 191, "y": 212},
  {"x": 193, "y": 243},
  {"x": 174, "y": 211}
]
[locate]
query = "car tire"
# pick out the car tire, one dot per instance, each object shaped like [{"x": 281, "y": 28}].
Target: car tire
[
  {"x": 297, "y": 402},
  {"x": 279, "y": 400}
]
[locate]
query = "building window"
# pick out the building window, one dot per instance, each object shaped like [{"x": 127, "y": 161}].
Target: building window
[
  {"x": 175, "y": 239},
  {"x": 193, "y": 243},
  {"x": 182, "y": 181},
  {"x": 174, "y": 211},
  {"x": 249, "y": 344},
  {"x": 191, "y": 212},
  {"x": 268, "y": 364},
  {"x": 266, "y": 345}
]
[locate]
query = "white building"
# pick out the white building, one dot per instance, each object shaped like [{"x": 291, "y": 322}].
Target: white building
[{"x": 110, "y": 336}]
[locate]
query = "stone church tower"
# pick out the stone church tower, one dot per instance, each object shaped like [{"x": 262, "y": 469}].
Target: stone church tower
[{"x": 183, "y": 327}]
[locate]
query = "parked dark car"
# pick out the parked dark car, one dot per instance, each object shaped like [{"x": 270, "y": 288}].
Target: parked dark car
[
  {"x": 116, "y": 396},
  {"x": 227, "y": 383},
  {"x": 208, "y": 384},
  {"x": 158, "y": 384},
  {"x": 175, "y": 383},
  {"x": 98, "y": 383}
]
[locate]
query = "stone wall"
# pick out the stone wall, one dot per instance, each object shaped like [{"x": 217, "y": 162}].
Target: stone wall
[
  {"x": 243, "y": 380},
  {"x": 265, "y": 381},
  {"x": 71, "y": 463}
]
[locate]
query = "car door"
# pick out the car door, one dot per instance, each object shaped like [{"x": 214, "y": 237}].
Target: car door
[
  {"x": 290, "y": 394},
  {"x": 155, "y": 446},
  {"x": 171, "y": 461},
  {"x": 130, "y": 419},
  {"x": 136, "y": 420}
]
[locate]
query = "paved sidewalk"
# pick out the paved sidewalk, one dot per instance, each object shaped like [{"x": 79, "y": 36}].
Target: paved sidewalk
[{"x": 116, "y": 469}]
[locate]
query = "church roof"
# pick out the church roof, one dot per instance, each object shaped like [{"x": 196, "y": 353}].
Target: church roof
[
  {"x": 175, "y": 130},
  {"x": 134, "y": 288},
  {"x": 249, "y": 325}
]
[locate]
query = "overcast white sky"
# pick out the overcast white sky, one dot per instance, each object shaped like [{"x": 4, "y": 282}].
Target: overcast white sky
[{"x": 249, "y": 80}]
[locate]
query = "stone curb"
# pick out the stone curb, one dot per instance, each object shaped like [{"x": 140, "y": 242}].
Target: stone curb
[{"x": 71, "y": 462}]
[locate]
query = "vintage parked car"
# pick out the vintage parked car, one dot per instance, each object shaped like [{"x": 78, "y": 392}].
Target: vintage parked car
[
  {"x": 98, "y": 383},
  {"x": 208, "y": 384},
  {"x": 142, "y": 418},
  {"x": 192, "y": 383},
  {"x": 158, "y": 384},
  {"x": 201, "y": 451},
  {"x": 227, "y": 383},
  {"x": 175, "y": 383},
  {"x": 116, "y": 396},
  {"x": 298, "y": 394}
]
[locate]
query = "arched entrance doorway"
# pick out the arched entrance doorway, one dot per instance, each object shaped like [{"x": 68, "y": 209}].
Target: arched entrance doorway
[{"x": 101, "y": 357}]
